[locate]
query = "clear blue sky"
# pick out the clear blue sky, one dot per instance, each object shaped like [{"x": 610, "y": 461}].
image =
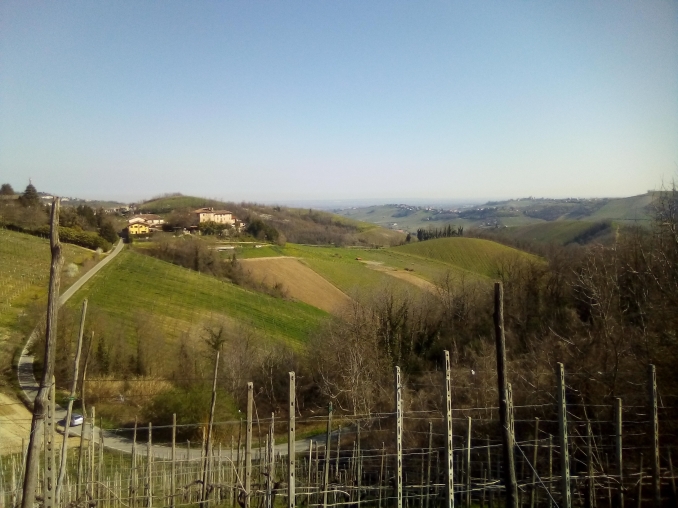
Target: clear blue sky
[{"x": 345, "y": 99}]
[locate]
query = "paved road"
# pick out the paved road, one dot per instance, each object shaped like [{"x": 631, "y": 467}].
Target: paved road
[{"x": 113, "y": 441}]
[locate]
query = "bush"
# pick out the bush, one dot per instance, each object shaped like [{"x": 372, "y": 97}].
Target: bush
[{"x": 68, "y": 235}]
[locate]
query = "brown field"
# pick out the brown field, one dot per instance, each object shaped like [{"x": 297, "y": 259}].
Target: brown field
[{"x": 298, "y": 281}]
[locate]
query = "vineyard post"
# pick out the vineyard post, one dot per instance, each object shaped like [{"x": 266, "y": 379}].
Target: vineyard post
[
  {"x": 381, "y": 472},
  {"x": 656, "y": 481},
  {"x": 91, "y": 464},
  {"x": 535, "y": 456},
  {"x": 133, "y": 479},
  {"x": 468, "y": 464},
  {"x": 566, "y": 500},
  {"x": 550, "y": 471},
  {"x": 49, "y": 486},
  {"x": 208, "y": 446},
  {"x": 149, "y": 464},
  {"x": 673, "y": 479},
  {"x": 510, "y": 482},
  {"x": 449, "y": 458},
  {"x": 248, "y": 444},
  {"x": 399, "y": 439},
  {"x": 37, "y": 423},
  {"x": 291, "y": 448},
  {"x": 639, "y": 499},
  {"x": 490, "y": 500},
  {"x": 71, "y": 398},
  {"x": 590, "y": 481},
  {"x": 328, "y": 437},
  {"x": 359, "y": 457},
  {"x": 336, "y": 462},
  {"x": 618, "y": 451},
  {"x": 428, "y": 464},
  {"x": 84, "y": 410},
  {"x": 173, "y": 480}
]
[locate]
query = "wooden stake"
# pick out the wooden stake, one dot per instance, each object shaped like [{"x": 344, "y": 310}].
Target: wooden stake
[
  {"x": 510, "y": 482},
  {"x": 590, "y": 481},
  {"x": 326, "y": 478},
  {"x": 291, "y": 445},
  {"x": 71, "y": 398},
  {"x": 173, "y": 478},
  {"x": 428, "y": 464},
  {"x": 490, "y": 500},
  {"x": 449, "y": 458},
  {"x": 639, "y": 500},
  {"x": 381, "y": 472},
  {"x": 399, "y": 439},
  {"x": 618, "y": 452},
  {"x": 673, "y": 480},
  {"x": 149, "y": 465},
  {"x": 50, "y": 486},
  {"x": 135, "y": 474},
  {"x": 535, "y": 456},
  {"x": 566, "y": 501},
  {"x": 248, "y": 444},
  {"x": 656, "y": 473},
  {"x": 39, "y": 410},
  {"x": 208, "y": 449},
  {"x": 468, "y": 464}
]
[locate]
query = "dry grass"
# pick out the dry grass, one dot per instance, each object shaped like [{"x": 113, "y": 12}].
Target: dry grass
[
  {"x": 110, "y": 389},
  {"x": 298, "y": 281}
]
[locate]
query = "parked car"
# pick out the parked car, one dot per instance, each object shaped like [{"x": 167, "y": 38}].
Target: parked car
[{"x": 76, "y": 420}]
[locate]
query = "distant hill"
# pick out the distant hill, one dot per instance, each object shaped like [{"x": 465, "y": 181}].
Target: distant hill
[{"x": 511, "y": 213}]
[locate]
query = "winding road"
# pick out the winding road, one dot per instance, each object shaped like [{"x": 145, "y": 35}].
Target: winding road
[{"x": 29, "y": 388}]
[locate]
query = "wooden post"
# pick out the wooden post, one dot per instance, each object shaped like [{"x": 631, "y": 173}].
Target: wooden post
[
  {"x": 428, "y": 464},
  {"x": 248, "y": 444},
  {"x": 490, "y": 501},
  {"x": 50, "y": 484},
  {"x": 399, "y": 439},
  {"x": 590, "y": 481},
  {"x": 291, "y": 446},
  {"x": 71, "y": 398},
  {"x": 550, "y": 471},
  {"x": 535, "y": 456},
  {"x": 149, "y": 465},
  {"x": 134, "y": 477},
  {"x": 468, "y": 464},
  {"x": 639, "y": 499},
  {"x": 673, "y": 480},
  {"x": 449, "y": 458},
  {"x": 173, "y": 479},
  {"x": 208, "y": 445},
  {"x": 566, "y": 501},
  {"x": 656, "y": 478},
  {"x": 510, "y": 482},
  {"x": 37, "y": 423},
  {"x": 326, "y": 477},
  {"x": 84, "y": 414},
  {"x": 618, "y": 451},
  {"x": 359, "y": 466},
  {"x": 381, "y": 472}
]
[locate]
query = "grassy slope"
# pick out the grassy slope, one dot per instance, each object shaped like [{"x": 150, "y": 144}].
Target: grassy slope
[
  {"x": 167, "y": 204},
  {"x": 24, "y": 271},
  {"x": 472, "y": 254},
  {"x": 624, "y": 209},
  {"x": 559, "y": 232},
  {"x": 182, "y": 300}
]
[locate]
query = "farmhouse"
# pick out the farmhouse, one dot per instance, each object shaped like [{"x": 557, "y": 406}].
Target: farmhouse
[
  {"x": 212, "y": 215},
  {"x": 147, "y": 218},
  {"x": 138, "y": 228}
]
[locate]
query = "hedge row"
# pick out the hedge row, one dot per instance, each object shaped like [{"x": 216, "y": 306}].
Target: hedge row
[{"x": 87, "y": 239}]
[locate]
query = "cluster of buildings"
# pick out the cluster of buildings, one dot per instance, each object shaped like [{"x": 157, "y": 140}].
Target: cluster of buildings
[{"x": 146, "y": 223}]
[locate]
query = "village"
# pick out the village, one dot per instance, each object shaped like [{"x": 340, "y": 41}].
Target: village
[{"x": 203, "y": 219}]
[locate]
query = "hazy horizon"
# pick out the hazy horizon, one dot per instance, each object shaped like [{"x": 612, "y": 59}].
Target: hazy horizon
[{"x": 301, "y": 101}]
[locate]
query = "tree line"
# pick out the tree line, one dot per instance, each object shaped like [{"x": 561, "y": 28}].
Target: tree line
[{"x": 444, "y": 232}]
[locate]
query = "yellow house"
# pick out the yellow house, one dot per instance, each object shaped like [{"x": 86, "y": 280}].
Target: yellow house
[{"x": 138, "y": 229}]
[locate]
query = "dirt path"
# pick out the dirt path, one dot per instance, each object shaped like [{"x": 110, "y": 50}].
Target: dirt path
[
  {"x": 401, "y": 274},
  {"x": 298, "y": 280}
]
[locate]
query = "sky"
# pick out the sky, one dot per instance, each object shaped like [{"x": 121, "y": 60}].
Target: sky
[{"x": 332, "y": 100}]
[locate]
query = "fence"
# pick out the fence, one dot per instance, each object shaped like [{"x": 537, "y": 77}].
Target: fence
[{"x": 396, "y": 459}]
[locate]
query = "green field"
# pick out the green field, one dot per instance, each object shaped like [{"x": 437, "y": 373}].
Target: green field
[
  {"x": 24, "y": 271},
  {"x": 558, "y": 232},
  {"x": 470, "y": 254},
  {"x": 182, "y": 301}
]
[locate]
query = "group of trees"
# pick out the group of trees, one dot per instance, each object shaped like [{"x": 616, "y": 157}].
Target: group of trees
[
  {"x": 80, "y": 225},
  {"x": 444, "y": 232}
]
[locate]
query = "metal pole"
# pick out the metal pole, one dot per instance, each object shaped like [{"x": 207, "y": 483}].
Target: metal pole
[
  {"x": 449, "y": 470},
  {"x": 290, "y": 443},
  {"x": 510, "y": 482}
]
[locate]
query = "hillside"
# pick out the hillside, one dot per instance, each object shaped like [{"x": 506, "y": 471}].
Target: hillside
[
  {"x": 180, "y": 302},
  {"x": 510, "y": 213},
  {"x": 298, "y": 225}
]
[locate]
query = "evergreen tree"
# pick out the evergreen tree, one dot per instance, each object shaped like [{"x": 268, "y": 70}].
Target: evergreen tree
[
  {"x": 6, "y": 190},
  {"x": 30, "y": 196}
]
